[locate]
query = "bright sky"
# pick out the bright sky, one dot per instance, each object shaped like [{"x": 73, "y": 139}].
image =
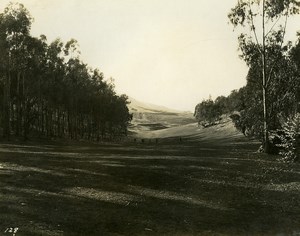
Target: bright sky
[{"x": 173, "y": 53}]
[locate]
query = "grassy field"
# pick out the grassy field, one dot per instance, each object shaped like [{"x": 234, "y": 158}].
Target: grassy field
[{"x": 189, "y": 187}]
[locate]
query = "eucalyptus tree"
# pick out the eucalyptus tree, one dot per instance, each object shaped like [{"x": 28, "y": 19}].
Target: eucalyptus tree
[
  {"x": 208, "y": 112},
  {"x": 295, "y": 58},
  {"x": 48, "y": 89},
  {"x": 3, "y": 72},
  {"x": 266, "y": 21},
  {"x": 35, "y": 61},
  {"x": 15, "y": 24}
]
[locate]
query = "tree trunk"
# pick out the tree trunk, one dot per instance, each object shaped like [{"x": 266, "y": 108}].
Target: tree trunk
[
  {"x": 6, "y": 107},
  {"x": 24, "y": 109},
  {"x": 25, "y": 120},
  {"x": 264, "y": 87},
  {"x": 18, "y": 106}
]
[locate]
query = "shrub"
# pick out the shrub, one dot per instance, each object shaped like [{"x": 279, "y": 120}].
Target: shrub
[{"x": 289, "y": 137}]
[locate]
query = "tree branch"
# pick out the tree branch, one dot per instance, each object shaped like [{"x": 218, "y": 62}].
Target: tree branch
[
  {"x": 283, "y": 36},
  {"x": 253, "y": 28},
  {"x": 273, "y": 26}
]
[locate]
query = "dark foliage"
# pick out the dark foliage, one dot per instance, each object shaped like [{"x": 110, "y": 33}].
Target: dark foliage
[
  {"x": 46, "y": 90},
  {"x": 208, "y": 112}
]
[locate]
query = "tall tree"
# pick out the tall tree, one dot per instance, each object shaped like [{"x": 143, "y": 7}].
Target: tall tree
[
  {"x": 267, "y": 22},
  {"x": 15, "y": 24},
  {"x": 48, "y": 90}
]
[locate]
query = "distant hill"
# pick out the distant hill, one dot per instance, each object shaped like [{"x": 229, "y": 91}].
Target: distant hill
[
  {"x": 138, "y": 106},
  {"x": 222, "y": 131},
  {"x": 153, "y": 121},
  {"x": 150, "y": 117}
]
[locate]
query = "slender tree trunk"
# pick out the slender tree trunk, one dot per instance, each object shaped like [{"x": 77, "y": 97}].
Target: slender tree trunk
[
  {"x": 63, "y": 123},
  {"x": 6, "y": 106},
  {"x": 42, "y": 118},
  {"x": 26, "y": 120},
  {"x": 18, "y": 106},
  {"x": 40, "y": 110},
  {"x": 12, "y": 116},
  {"x": 24, "y": 109},
  {"x": 51, "y": 123},
  {"x": 58, "y": 122},
  {"x": 69, "y": 124},
  {"x": 264, "y": 87}
]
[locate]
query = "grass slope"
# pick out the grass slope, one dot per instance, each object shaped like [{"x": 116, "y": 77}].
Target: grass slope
[
  {"x": 224, "y": 130},
  {"x": 200, "y": 186},
  {"x": 149, "y": 117}
]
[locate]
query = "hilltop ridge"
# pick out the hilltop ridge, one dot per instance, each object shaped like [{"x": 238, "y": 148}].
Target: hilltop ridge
[
  {"x": 154, "y": 121},
  {"x": 150, "y": 117},
  {"x": 139, "y": 106}
]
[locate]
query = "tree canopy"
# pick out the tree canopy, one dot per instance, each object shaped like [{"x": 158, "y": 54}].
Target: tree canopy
[
  {"x": 47, "y": 90},
  {"x": 264, "y": 51}
]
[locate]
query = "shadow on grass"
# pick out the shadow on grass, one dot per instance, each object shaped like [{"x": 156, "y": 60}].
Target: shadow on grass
[{"x": 135, "y": 189}]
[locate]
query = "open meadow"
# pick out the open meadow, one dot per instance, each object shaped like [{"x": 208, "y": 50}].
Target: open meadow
[
  {"x": 192, "y": 186},
  {"x": 157, "y": 118}
]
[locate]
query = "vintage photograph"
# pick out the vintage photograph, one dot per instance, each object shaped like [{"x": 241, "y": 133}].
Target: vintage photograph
[{"x": 149, "y": 117}]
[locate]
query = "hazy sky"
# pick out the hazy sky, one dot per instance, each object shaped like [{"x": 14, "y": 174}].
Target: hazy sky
[{"x": 167, "y": 52}]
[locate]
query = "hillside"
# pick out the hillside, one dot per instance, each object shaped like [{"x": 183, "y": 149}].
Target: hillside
[
  {"x": 153, "y": 121},
  {"x": 150, "y": 117}
]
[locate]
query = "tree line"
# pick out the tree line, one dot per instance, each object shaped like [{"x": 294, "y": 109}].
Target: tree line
[
  {"x": 46, "y": 90},
  {"x": 268, "y": 106},
  {"x": 210, "y": 112},
  {"x": 245, "y": 105}
]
